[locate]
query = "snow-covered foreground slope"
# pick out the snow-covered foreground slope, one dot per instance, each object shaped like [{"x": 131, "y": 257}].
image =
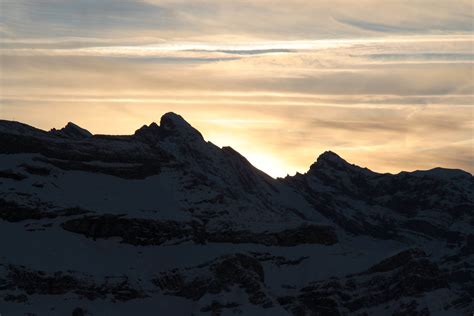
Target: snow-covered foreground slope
[{"x": 164, "y": 223}]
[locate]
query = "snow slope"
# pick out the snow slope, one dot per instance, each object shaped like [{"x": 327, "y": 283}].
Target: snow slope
[{"x": 163, "y": 222}]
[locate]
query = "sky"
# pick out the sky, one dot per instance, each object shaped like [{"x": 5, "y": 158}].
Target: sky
[{"x": 387, "y": 85}]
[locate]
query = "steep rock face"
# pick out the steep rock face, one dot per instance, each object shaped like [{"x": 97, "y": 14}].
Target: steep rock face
[
  {"x": 407, "y": 274},
  {"x": 167, "y": 222},
  {"x": 238, "y": 270},
  {"x": 390, "y": 206}
]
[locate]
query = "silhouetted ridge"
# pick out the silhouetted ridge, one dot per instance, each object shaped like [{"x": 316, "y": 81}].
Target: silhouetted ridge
[
  {"x": 329, "y": 157},
  {"x": 331, "y": 161},
  {"x": 164, "y": 193},
  {"x": 73, "y": 131}
]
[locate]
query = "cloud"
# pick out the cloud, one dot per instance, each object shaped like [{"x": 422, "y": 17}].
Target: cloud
[
  {"x": 52, "y": 18},
  {"x": 276, "y": 19},
  {"x": 376, "y": 27},
  {"x": 388, "y": 85}
]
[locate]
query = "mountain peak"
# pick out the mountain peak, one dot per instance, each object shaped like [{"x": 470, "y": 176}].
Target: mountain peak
[
  {"x": 72, "y": 130},
  {"x": 177, "y": 124},
  {"x": 330, "y": 161},
  {"x": 172, "y": 119},
  {"x": 329, "y": 158},
  {"x": 170, "y": 124}
]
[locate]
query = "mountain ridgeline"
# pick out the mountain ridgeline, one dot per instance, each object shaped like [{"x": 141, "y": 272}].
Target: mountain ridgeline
[{"x": 164, "y": 222}]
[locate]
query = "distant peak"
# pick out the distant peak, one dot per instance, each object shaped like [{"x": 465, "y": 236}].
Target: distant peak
[
  {"x": 72, "y": 130},
  {"x": 331, "y": 157},
  {"x": 329, "y": 160},
  {"x": 442, "y": 173},
  {"x": 177, "y": 124}
]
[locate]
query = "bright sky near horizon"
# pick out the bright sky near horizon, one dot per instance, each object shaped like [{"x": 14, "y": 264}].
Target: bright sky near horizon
[{"x": 388, "y": 85}]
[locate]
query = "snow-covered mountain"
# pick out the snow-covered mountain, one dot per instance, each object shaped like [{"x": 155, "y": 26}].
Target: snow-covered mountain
[{"x": 162, "y": 222}]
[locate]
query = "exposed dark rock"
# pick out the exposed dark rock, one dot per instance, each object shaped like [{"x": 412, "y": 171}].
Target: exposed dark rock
[
  {"x": 306, "y": 234},
  {"x": 143, "y": 232},
  {"x": 406, "y": 274},
  {"x": 133, "y": 231},
  {"x": 59, "y": 283},
  {"x": 278, "y": 260},
  {"x": 13, "y": 212},
  {"x": 131, "y": 171},
  {"x": 36, "y": 170},
  {"x": 397, "y": 261},
  {"x": 9, "y": 174},
  {"x": 217, "y": 276},
  {"x": 462, "y": 302}
]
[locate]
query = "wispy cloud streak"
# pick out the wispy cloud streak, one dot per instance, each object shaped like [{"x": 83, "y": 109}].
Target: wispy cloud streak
[{"x": 388, "y": 85}]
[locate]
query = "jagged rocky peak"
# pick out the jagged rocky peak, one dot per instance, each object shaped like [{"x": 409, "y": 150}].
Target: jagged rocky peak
[
  {"x": 72, "y": 130},
  {"x": 152, "y": 128},
  {"x": 150, "y": 133},
  {"x": 177, "y": 125},
  {"x": 170, "y": 124}
]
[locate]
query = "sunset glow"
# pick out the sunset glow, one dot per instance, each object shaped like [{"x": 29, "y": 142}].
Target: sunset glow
[{"x": 278, "y": 81}]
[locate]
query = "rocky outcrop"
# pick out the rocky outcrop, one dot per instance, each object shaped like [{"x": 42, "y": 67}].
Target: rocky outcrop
[
  {"x": 9, "y": 174},
  {"x": 407, "y": 274},
  {"x": 11, "y": 211},
  {"x": 217, "y": 276},
  {"x": 60, "y": 283},
  {"x": 305, "y": 234},
  {"x": 144, "y": 232},
  {"x": 121, "y": 170},
  {"x": 133, "y": 231}
]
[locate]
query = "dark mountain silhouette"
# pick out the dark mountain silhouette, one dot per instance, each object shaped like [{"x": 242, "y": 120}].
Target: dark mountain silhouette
[{"x": 164, "y": 222}]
